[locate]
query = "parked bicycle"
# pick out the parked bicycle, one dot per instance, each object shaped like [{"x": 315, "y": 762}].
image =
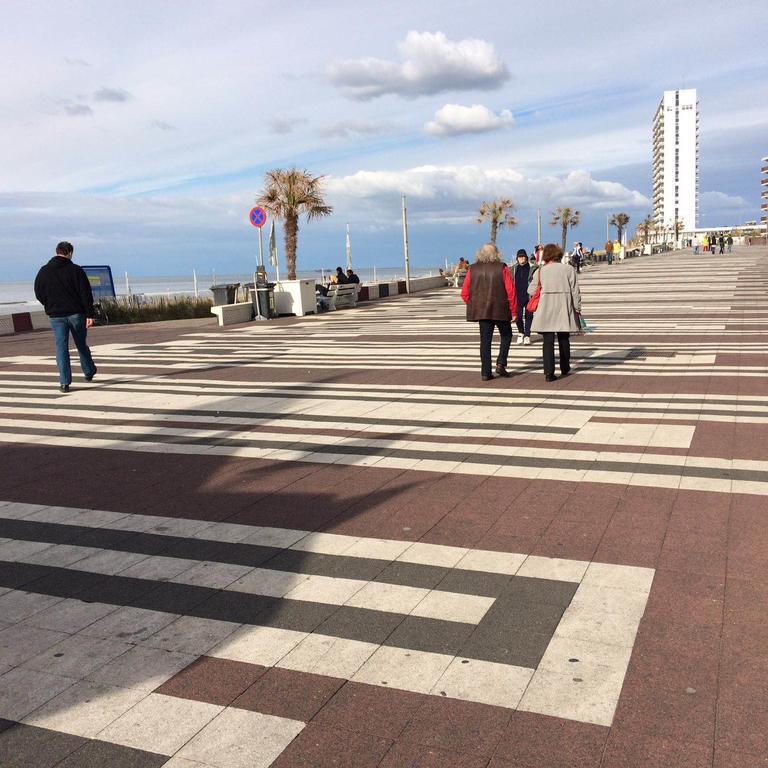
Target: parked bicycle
[{"x": 100, "y": 316}]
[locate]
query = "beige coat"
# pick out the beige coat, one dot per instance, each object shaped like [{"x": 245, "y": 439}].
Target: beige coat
[{"x": 560, "y": 299}]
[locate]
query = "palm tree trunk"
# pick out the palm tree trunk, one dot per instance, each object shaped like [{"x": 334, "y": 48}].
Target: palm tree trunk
[
  {"x": 564, "y": 227},
  {"x": 494, "y": 230},
  {"x": 291, "y": 235}
]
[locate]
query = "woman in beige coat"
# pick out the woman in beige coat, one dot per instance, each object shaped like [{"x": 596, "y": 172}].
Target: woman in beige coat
[{"x": 558, "y": 310}]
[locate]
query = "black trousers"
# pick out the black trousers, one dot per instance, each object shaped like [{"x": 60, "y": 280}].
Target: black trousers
[
  {"x": 524, "y": 318},
  {"x": 548, "y": 350},
  {"x": 486, "y": 337}
]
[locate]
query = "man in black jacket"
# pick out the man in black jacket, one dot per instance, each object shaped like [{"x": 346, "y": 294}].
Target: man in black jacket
[{"x": 65, "y": 293}]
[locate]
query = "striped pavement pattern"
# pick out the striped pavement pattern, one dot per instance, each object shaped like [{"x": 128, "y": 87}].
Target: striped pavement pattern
[{"x": 324, "y": 542}]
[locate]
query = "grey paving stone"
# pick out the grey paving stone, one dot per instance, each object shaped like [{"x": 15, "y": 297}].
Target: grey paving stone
[
  {"x": 102, "y": 754},
  {"x": 413, "y": 575},
  {"x": 24, "y": 746},
  {"x": 431, "y": 635}
]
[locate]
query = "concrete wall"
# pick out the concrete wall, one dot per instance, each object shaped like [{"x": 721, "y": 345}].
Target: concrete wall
[{"x": 20, "y": 322}]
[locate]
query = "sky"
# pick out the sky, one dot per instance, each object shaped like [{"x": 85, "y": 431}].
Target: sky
[{"x": 141, "y": 131}]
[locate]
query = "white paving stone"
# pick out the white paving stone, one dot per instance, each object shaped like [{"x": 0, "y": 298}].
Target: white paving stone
[
  {"x": 408, "y": 670},
  {"x": 142, "y": 668},
  {"x": 191, "y": 634},
  {"x": 452, "y": 606},
  {"x": 77, "y": 656},
  {"x": 486, "y": 682},
  {"x": 325, "y": 655},
  {"x": 24, "y": 690},
  {"x": 553, "y": 568},
  {"x": 84, "y": 709},
  {"x": 20, "y": 642},
  {"x": 258, "y": 645},
  {"x": 69, "y": 615},
  {"x": 17, "y": 605},
  {"x": 393, "y": 598},
  {"x": 241, "y": 739},
  {"x": 129, "y": 624},
  {"x": 161, "y": 724}
]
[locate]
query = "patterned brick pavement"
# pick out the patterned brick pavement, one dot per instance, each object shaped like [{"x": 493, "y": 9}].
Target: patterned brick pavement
[{"x": 323, "y": 543}]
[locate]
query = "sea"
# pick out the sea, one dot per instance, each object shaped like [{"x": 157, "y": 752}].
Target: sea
[{"x": 19, "y": 296}]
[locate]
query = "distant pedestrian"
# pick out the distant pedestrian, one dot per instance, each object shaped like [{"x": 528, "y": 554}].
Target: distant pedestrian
[
  {"x": 489, "y": 293},
  {"x": 705, "y": 243},
  {"x": 522, "y": 274},
  {"x": 539, "y": 252},
  {"x": 558, "y": 310},
  {"x": 721, "y": 243},
  {"x": 713, "y": 244},
  {"x": 576, "y": 257},
  {"x": 696, "y": 244},
  {"x": 63, "y": 289},
  {"x": 609, "y": 251},
  {"x": 730, "y": 243}
]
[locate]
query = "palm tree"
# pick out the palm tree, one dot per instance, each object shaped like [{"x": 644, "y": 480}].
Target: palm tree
[
  {"x": 499, "y": 213},
  {"x": 646, "y": 226},
  {"x": 566, "y": 218},
  {"x": 288, "y": 194},
  {"x": 678, "y": 227},
  {"x": 620, "y": 221}
]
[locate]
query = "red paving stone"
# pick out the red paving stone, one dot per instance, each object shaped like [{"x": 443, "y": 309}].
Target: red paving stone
[
  {"x": 694, "y": 690},
  {"x": 530, "y": 741},
  {"x": 215, "y": 681}
]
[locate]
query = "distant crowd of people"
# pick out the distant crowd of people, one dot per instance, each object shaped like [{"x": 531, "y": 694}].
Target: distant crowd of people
[
  {"x": 540, "y": 293},
  {"x": 712, "y": 242}
]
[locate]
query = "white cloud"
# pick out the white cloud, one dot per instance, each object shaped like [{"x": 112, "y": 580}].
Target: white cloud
[
  {"x": 161, "y": 125},
  {"x": 285, "y": 125},
  {"x": 721, "y": 200},
  {"x": 454, "y": 191},
  {"x": 351, "y": 128},
  {"x": 430, "y": 63},
  {"x": 77, "y": 110},
  {"x": 454, "y": 119},
  {"x": 112, "y": 94}
]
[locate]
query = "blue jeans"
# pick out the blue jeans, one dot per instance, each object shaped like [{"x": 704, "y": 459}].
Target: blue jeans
[{"x": 62, "y": 327}]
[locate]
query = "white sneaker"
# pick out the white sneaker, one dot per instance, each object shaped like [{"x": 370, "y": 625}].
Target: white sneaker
[
  {"x": 527, "y": 340},
  {"x": 520, "y": 339}
]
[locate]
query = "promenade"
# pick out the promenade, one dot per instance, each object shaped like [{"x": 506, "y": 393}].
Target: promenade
[{"x": 325, "y": 542}]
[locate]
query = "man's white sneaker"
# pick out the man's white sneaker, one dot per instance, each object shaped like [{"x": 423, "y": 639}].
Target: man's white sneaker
[
  {"x": 520, "y": 339},
  {"x": 527, "y": 340}
]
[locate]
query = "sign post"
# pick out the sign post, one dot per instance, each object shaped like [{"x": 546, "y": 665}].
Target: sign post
[
  {"x": 405, "y": 250},
  {"x": 258, "y": 218}
]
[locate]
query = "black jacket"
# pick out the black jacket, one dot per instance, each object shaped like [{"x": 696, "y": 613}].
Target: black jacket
[{"x": 63, "y": 289}]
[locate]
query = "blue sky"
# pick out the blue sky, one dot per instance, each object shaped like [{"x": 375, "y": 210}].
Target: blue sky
[{"x": 141, "y": 131}]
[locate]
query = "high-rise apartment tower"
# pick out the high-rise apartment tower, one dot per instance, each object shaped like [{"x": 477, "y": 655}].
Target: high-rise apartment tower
[
  {"x": 764, "y": 193},
  {"x": 676, "y": 160}
]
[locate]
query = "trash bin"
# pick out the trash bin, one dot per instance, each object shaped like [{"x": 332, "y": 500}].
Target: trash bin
[
  {"x": 224, "y": 294},
  {"x": 263, "y": 297}
]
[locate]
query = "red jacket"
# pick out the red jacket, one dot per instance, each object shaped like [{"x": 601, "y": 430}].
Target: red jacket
[{"x": 509, "y": 287}]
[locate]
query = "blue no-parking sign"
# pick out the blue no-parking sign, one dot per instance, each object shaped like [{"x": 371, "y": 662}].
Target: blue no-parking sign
[{"x": 258, "y": 217}]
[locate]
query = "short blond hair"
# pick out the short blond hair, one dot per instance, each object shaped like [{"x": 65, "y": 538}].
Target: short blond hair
[{"x": 488, "y": 253}]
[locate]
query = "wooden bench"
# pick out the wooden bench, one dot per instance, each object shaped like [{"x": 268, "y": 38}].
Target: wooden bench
[{"x": 342, "y": 295}]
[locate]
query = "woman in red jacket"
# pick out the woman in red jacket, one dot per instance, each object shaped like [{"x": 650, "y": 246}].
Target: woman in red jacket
[{"x": 489, "y": 294}]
